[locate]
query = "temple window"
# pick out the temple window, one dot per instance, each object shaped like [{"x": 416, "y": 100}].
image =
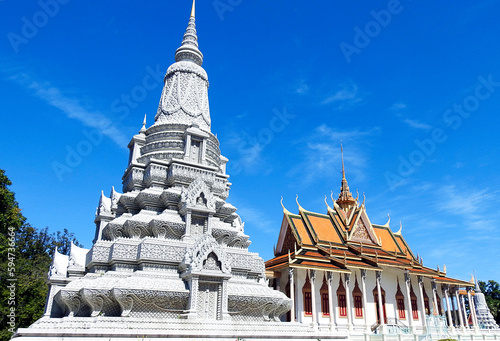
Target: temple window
[
  {"x": 357, "y": 296},
  {"x": 400, "y": 300},
  {"x": 341, "y": 297},
  {"x": 426, "y": 303},
  {"x": 414, "y": 307},
  {"x": 325, "y": 301},
  {"x": 306, "y": 294}
]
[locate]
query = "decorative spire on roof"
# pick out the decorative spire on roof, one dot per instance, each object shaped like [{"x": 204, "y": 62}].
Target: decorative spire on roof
[
  {"x": 143, "y": 129},
  {"x": 345, "y": 200},
  {"x": 189, "y": 49}
]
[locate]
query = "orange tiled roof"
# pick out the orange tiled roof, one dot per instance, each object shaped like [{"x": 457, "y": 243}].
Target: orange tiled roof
[
  {"x": 322, "y": 227},
  {"x": 321, "y": 243},
  {"x": 301, "y": 230}
]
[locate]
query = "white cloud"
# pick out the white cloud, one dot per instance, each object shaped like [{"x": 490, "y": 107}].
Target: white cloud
[
  {"x": 417, "y": 125},
  {"x": 72, "y": 108},
  {"x": 347, "y": 96}
]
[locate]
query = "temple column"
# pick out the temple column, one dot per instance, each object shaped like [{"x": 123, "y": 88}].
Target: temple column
[
  {"x": 378, "y": 276},
  {"x": 409, "y": 310},
  {"x": 472, "y": 309},
  {"x": 453, "y": 308},
  {"x": 459, "y": 310},
  {"x": 329, "y": 281},
  {"x": 365, "y": 301},
  {"x": 347, "y": 278},
  {"x": 466, "y": 321},
  {"x": 312, "y": 276},
  {"x": 193, "y": 298},
  {"x": 435, "y": 305},
  {"x": 422, "y": 301},
  {"x": 224, "y": 303},
  {"x": 448, "y": 306},
  {"x": 292, "y": 294}
]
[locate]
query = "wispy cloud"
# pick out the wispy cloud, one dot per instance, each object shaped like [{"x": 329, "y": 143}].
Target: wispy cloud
[
  {"x": 322, "y": 153},
  {"x": 302, "y": 88},
  {"x": 249, "y": 154},
  {"x": 398, "y": 106},
  {"x": 71, "y": 107},
  {"x": 345, "y": 97},
  {"x": 257, "y": 219},
  {"x": 417, "y": 125}
]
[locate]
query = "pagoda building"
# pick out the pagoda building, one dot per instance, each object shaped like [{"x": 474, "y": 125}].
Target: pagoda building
[
  {"x": 170, "y": 257},
  {"x": 346, "y": 274}
]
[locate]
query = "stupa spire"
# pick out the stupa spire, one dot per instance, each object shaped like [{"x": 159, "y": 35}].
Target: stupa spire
[
  {"x": 188, "y": 51},
  {"x": 345, "y": 200}
]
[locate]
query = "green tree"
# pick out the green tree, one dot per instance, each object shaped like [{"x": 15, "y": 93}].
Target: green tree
[
  {"x": 31, "y": 255},
  {"x": 491, "y": 291}
]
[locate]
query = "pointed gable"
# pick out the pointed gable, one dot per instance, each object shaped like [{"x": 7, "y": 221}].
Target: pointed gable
[{"x": 362, "y": 230}]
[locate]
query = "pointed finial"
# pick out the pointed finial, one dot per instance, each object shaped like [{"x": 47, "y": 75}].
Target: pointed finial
[
  {"x": 283, "y": 206},
  {"x": 193, "y": 8},
  {"x": 388, "y": 220},
  {"x": 400, "y": 227},
  {"x": 297, "y": 201},
  {"x": 189, "y": 51},
  {"x": 345, "y": 199},
  {"x": 143, "y": 129},
  {"x": 342, "y": 155},
  {"x": 364, "y": 199},
  {"x": 326, "y": 203}
]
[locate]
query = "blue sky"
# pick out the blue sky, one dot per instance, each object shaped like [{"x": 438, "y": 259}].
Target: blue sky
[{"x": 411, "y": 88}]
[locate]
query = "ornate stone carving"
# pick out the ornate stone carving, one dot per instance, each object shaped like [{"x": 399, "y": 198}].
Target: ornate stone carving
[
  {"x": 101, "y": 302},
  {"x": 198, "y": 194},
  {"x": 195, "y": 257}
]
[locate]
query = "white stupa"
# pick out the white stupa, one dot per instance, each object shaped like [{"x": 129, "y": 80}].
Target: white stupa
[{"x": 170, "y": 257}]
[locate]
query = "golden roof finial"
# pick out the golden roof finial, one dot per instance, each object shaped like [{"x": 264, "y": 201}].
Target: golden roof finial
[
  {"x": 193, "y": 8},
  {"x": 342, "y": 155}
]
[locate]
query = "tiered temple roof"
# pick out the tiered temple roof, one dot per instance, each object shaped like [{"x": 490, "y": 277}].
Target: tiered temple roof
[{"x": 344, "y": 238}]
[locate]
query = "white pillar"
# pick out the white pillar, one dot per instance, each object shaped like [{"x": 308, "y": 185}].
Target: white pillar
[
  {"x": 329, "y": 280},
  {"x": 365, "y": 301},
  {"x": 422, "y": 301},
  {"x": 459, "y": 310},
  {"x": 378, "y": 275},
  {"x": 466, "y": 321},
  {"x": 448, "y": 306},
  {"x": 292, "y": 294},
  {"x": 472, "y": 309},
  {"x": 434, "y": 298},
  {"x": 312, "y": 276},
  {"x": 347, "y": 278},
  {"x": 408, "y": 300}
]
